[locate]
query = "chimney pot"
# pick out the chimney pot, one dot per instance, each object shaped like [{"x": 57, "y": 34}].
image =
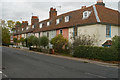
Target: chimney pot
[
  {"x": 99, "y": 1},
  {"x": 83, "y": 7}
]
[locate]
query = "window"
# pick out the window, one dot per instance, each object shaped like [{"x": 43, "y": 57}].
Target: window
[
  {"x": 57, "y": 21},
  {"x": 27, "y": 28},
  {"x": 11, "y": 37},
  {"x": 33, "y": 26},
  {"x": 67, "y": 18},
  {"x": 48, "y": 23},
  {"x": 41, "y": 25},
  {"x": 86, "y": 14},
  {"x": 61, "y": 32},
  {"x": 48, "y": 34},
  {"x": 74, "y": 32},
  {"x": 22, "y": 29},
  {"x": 108, "y": 30}
]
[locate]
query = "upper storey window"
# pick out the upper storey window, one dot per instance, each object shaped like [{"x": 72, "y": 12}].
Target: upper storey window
[
  {"x": 108, "y": 30},
  {"x": 48, "y": 23},
  {"x": 27, "y": 28},
  {"x": 22, "y": 29},
  {"x": 40, "y": 25},
  {"x": 57, "y": 21},
  {"x": 67, "y": 18},
  {"x": 86, "y": 14},
  {"x": 33, "y": 26}
]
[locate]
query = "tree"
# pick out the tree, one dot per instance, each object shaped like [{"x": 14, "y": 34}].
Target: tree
[
  {"x": 35, "y": 41},
  {"x": 43, "y": 41},
  {"x": 11, "y": 24},
  {"x": 58, "y": 42},
  {"x": 29, "y": 41},
  {"x": 22, "y": 40},
  {"x": 5, "y": 36},
  {"x": 15, "y": 40}
]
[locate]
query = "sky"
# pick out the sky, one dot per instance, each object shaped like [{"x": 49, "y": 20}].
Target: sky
[{"x": 21, "y": 10}]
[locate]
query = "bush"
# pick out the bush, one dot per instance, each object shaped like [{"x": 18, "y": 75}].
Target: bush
[
  {"x": 84, "y": 40},
  {"x": 100, "y": 53},
  {"x": 59, "y": 42},
  {"x": 116, "y": 43}
]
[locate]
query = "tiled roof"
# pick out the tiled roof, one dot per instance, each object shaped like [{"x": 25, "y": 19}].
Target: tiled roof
[
  {"x": 105, "y": 15},
  {"x": 76, "y": 18},
  {"x": 108, "y": 15}
]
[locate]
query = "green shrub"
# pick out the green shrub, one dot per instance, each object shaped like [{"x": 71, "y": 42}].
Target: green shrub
[
  {"x": 100, "y": 53},
  {"x": 59, "y": 42}
]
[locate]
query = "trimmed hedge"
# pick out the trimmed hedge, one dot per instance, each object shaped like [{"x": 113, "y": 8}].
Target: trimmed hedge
[{"x": 100, "y": 53}]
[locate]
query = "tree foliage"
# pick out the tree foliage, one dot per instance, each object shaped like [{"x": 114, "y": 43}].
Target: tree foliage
[
  {"x": 29, "y": 41},
  {"x": 15, "y": 40},
  {"x": 5, "y": 36},
  {"x": 43, "y": 41},
  {"x": 58, "y": 42},
  {"x": 35, "y": 41},
  {"x": 10, "y": 24}
]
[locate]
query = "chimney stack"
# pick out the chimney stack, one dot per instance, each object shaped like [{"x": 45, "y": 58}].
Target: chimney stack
[
  {"x": 24, "y": 23},
  {"x": 52, "y": 12},
  {"x": 100, "y": 2},
  {"x": 83, "y": 7},
  {"x": 34, "y": 21}
]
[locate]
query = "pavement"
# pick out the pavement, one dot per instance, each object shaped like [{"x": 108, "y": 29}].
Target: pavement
[
  {"x": 28, "y": 64},
  {"x": 0, "y": 62}
]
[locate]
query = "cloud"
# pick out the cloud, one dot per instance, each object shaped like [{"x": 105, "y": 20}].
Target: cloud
[{"x": 18, "y": 9}]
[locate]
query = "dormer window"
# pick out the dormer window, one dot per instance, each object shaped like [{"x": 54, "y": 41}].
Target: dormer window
[
  {"x": 48, "y": 23},
  {"x": 33, "y": 26},
  {"x": 57, "y": 21},
  {"x": 86, "y": 14},
  {"x": 41, "y": 25},
  {"x": 67, "y": 18},
  {"x": 27, "y": 28}
]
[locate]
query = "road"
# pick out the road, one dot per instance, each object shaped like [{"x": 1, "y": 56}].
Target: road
[{"x": 24, "y": 64}]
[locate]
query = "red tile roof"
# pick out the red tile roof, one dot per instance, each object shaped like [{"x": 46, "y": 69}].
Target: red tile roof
[{"x": 106, "y": 16}]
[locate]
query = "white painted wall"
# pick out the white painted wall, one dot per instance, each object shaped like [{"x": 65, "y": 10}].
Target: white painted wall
[
  {"x": 70, "y": 35},
  {"x": 37, "y": 35},
  {"x": 99, "y": 31},
  {"x": 52, "y": 34}
]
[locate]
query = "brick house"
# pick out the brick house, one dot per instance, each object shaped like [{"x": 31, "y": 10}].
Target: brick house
[{"x": 96, "y": 21}]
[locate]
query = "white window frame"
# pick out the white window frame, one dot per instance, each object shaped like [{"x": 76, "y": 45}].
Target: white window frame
[
  {"x": 48, "y": 23},
  {"x": 33, "y": 26},
  {"x": 86, "y": 14},
  {"x": 67, "y": 18},
  {"x": 27, "y": 28},
  {"x": 22, "y": 29},
  {"x": 41, "y": 24},
  {"x": 57, "y": 21}
]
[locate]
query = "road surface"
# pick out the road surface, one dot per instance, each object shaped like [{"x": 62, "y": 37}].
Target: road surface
[{"x": 24, "y": 64}]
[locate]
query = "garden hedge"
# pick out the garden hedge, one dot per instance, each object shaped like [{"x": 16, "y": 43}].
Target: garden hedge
[{"x": 100, "y": 53}]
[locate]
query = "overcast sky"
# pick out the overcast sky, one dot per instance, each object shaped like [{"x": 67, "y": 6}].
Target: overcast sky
[{"x": 17, "y": 9}]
